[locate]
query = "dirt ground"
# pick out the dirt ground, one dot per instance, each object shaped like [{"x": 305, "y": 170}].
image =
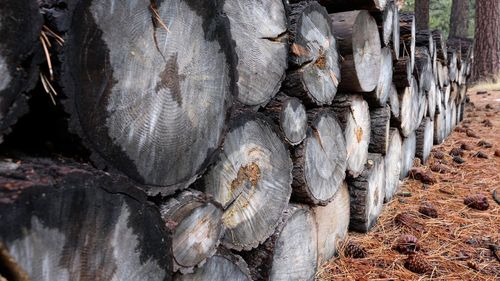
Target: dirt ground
[{"x": 457, "y": 244}]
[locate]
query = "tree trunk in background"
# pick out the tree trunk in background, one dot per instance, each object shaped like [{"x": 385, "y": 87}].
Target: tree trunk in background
[
  {"x": 487, "y": 41},
  {"x": 459, "y": 19},
  {"x": 422, "y": 14}
]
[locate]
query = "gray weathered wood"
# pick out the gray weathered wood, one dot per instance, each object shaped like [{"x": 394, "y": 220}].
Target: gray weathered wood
[
  {"x": 394, "y": 102},
  {"x": 392, "y": 164},
  {"x": 332, "y": 222},
  {"x": 354, "y": 117},
  {"x": 379, "y": 96},
  {"x": 291, "y": 115},
  {"x": 407, "y": 154},
  {"x": 367, "y": 194},
  {"x": 423, "y": 68},
  {"x": 380, "y": 123},
  {"x": 320, "y": 162},
  {"x": 431, "y": 98},
  {"x": 359, "y": 45},
  {"x": 440, "y": 126},
  {"x": 396, "y": 30},
  {"x": 425, "y": 137},
  {"x": 196, "y": 223},
  {"x": 257, "y": 29},
  {"x": 67, "y": 221},
  {"x": 252, "y": 180},
  {"x": 291, "y": 252},
  {"x": 409, "y": 108},
  {"x": 407, "y": 34},
  {"x": 315, "y": 72},
  {"x": 385, "y": 22}
]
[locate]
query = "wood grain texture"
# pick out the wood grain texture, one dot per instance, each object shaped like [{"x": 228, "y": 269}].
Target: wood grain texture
[
  {"x": 290, "y": 113},
  {"x": 252, "y": 180},
  {"x": 367, "y": 194},
  {"x": 144, "y": 105},
  {"x": 392, "y": 164},
  {"x": 385, "y": 22},
  {"x": 425, "y": 136},
  {"x": 332, "y": 223},
  {"x": 195, "y": 221},
  {"x": 407, "y": 33},
  {"x": 359, "y": 45},
  {"x": 66, "y": 221},
  {"x": 256, "y": 30},
  {"x": 320, "y": 162},
  {"x": 315, "y": 72},
  {"x": 408, "y": 149},
  {"x": 381, "y": 93},
  {"x": 20, "y": 52},
  {"x": 354, "y": 117},
  {"x": 409, "y": 108},
  {"x": 294, "y": 242},
  {"x": 380, "y": 119}
]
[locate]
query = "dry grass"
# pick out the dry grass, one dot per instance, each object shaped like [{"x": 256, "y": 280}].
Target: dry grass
[
  {"x": 456, "y": 242},
  {"x": 492, "y": 84}
]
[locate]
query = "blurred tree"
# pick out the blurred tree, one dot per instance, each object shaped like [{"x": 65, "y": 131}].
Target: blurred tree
[
  {"x": 459, "y": 19},
  {"x": 422, "y": 14},
  {"x": 487, "y": 41}
]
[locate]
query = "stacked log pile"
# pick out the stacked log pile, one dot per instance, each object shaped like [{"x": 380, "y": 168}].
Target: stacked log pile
[{"x": 240, "y": 139}]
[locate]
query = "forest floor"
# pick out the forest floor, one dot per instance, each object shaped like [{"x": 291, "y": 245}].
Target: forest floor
[{"x": 459, "y": 244}]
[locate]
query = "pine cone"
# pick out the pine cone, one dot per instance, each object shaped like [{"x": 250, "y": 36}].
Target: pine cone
[
  {"x": 417, "y": 263},
  {"x": 484, "y": 144},
  {"x": 355, "y": 251},
  {"x": 477, "y": 201},
  {"x": 457, "y": 151},
  {"x": 481, "y": 154},
  {"x": 440, "y": 168},
  {"x": 405, "y": 219},
  {"x": 438, "y": 154},
  {"x": 471, "y": 133},
  {"x": 422, "y": 175},
  {"x": 428, "y": 210},
  {"x": 466, "y": 146},
  {"x": 458, "y": 159},
  {"x": 497, "y": 153},
  {"x": 407, "y": 244}
]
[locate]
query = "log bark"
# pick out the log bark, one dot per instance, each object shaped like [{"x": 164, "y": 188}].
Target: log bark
[
  {"x": 423, "y": 68},
  {"x": 392, "y": 164},
  {"x": 402, "y": 72},
  {"x": 367, "y": 194},
  {"x": 407, "y": 36},
  {"x": 359, "y": 45},
  {"x": 291, "y": 116},
  {"x": 196, "y": 223},
  {"x": 315, "y": 72},
  {"x": 251, "y": 180},
  {"x": 385, "y": 22},
  {"x": 294, "y": 242},
  {"x": 381, "y": 94},
  {"x": 408, "y": 149},
  {"x": 257, "y": 30},
  {"x": 440, "y": 44},
  {"x": 332, "y": 223},
  {"x": 144, "y": 103},
  {"x": 320, "y": 162},
  {"x": 222, "y": 266},
  {"x": 380, "y": 123},
  {"x": 425, "y": 137},
  {"x": 67, "y": 221},
  {"x": 440, "y": 127},
  {"x": 335, "y": 6},
  {"x": 394, "y": 102},
  {"x": 409, "y": 108},
  {"x": 354, "y": 117},
  {"x": 20, "y": 51}
]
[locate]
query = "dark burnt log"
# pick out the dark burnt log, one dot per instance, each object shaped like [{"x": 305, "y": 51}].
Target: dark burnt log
[
  {"x": 440, "y": 44},
  {"x": 402, "y": 72},
  {"x": 67, "y": 221},
  {"x": 381, "y": 93},
  {"x": 367, "y": 194},
  {"x": 335, "y": 6},
  {"x": 354, "y": 117},
  {"x": 385, "y": 22},
  {"x": 440, "y": 127},
  {"x": 20, "y": 51},
  {"x": 407, "y": 31},
  {"x": 196, "y": 223},
  {"x": 257, "y": 36},
  {"x": 140, "y": 99},
  {"x": 380, "y": 123},
  {"x": 408, "y": 149},
  {"x": 320, "y": 162},
  {"x": 392, "y": 161},
  {"x": 423, "y": 68},
  {"x": 359, "y": 45},
  {"x": 394, "y": 102},
  {"x": 425, "y": 137},
  {"x": 409, "y": 108},
  {"x": 251, "y": 180},
  {"x": 291, "y": 116},
  {"x": 222, "y": 266},
  {"x": 294, "y": 242},
  {"x": 332, "y": 223},
  {"x": 315, "y": 72}
]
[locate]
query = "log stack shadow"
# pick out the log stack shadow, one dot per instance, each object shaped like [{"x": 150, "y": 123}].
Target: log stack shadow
[{"x": 224, "y": 140}]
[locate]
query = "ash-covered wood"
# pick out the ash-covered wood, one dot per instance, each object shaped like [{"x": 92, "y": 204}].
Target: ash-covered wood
[
  {"x": 392, "y": 164},
  {"x": 20, "y": 52},
  {"x": 291, "y": 115},
  {"x": 257, "y": 33},
  {"x": 425, "y": 137},
  {"x": 332, "y": 222},
  {"x": 291, "y": 252},
  {"x": 143, "y": 101},
  {"x": 380, "y": 123},
  {"x": 320, "y": 162},
  {"x": 367, "y": 194},
  {"x": 195, "y": 221},
  {"x": 315, "y": 72},
  {"x": 354, "y": 117},
  {"x": 251, "y": 180},
  {"x": 408, "y": 149},
  {"x": 67, "y": 221},
  {"x": 359, "y": 45},
  {"x": 334, "y": 6}
]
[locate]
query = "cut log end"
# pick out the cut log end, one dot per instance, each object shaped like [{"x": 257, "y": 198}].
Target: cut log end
[
  {"x": 392, "y": 164},
  {"x": 425, "y": 137},
  {"x": 407, "y": 154}
]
